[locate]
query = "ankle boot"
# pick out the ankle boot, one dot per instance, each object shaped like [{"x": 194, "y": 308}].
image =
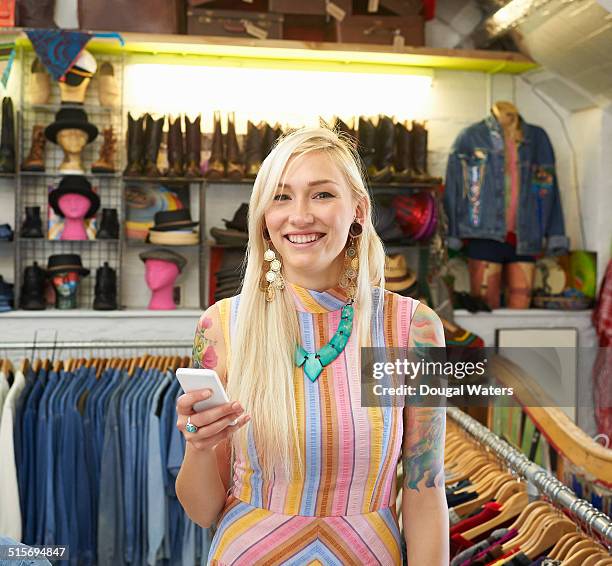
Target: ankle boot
[
  {"x": 135, "y": 146},
  {"x": 33, "y": 289},
  {"x": 105, "y": 289},
  {"x": 106, "y": 161},
  {"x": 35, "y": 161},
  {"x": 366, "y": 134},
  {"x": 194, "y": 147},
  {"x": 216, "y": 167},
  {"x": 385, "y": 145},
  {"x": 403, "y": 154},
  {"x": 235, "y": 169},
  {"x": 419, "y": 151},
  {"x": 153, "y": 137},
  {"x": 7, "y": 139},
  {"x": 32, "y": 225},
  {"x": 176, "y": 155},
  {"x": 253, "y": 151},
  {"x": 109, "y": 225},
  {"x": 40, "y": 83}
]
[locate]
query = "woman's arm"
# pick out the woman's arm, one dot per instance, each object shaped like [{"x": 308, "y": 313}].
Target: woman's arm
[
  {"x": 424, "y": 508},
  {"x": 204, "y": 477}
]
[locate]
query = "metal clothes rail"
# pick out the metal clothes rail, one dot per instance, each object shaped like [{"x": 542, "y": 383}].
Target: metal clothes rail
[{"x": 595, "y": 522}]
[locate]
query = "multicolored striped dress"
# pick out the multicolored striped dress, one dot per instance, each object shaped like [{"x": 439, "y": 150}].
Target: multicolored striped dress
[{"x": 342, "y": 512}]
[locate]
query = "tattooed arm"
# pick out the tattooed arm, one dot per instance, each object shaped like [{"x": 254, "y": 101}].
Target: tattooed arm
[{"x": 424, "y": 509}]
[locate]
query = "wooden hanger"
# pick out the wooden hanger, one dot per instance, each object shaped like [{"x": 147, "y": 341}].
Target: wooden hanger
[
  {"x": 534, "y": 523},
  {"x": 7, "y": 367},
  {"x": 511, "y": 508},
  {"x": 579, "y": 558},
  {"x": 562, "y": 543},
  {"x": 607, "y": 561},
  {"x": 579, "y": 546},
  {"x": 548, "y": 537},
  {"x": 469, "y": 506},
  {"x": 594, "y": 559},
  {"x": 526, "y": 512}
]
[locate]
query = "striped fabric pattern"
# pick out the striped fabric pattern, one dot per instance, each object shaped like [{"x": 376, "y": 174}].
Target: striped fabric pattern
[{"x": 342, "y": 511}]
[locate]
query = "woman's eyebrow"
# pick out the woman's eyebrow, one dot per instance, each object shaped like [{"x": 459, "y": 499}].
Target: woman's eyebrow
[{"x": 311, "y": 183}]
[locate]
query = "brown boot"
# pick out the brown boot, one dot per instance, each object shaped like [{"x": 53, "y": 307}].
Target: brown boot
[
  {"x": 216, "y": 166},
  {"x": 35, "y": 161},
  {"x": 175, "y": 148},
  {"x": 106, "y": 161},
  {"x": 253, "y": 151},
  {"x": 235, "y": 168},
  {"x": 194, "y": 147}
]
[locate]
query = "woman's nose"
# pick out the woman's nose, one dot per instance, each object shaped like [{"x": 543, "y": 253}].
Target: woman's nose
[{"x": 301, "y": 214}]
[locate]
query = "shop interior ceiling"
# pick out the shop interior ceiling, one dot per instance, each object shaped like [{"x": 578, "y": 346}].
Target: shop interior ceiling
[{"x": 570, "y": 39}]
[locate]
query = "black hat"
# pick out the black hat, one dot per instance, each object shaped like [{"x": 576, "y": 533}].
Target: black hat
[
  {"x": 168, "y": 220},
  {"x": 385, "y": 223},
  {"x": 61, "y": 263},
  {"x": 240, "y": 220},
  {"x": 70, "y": 117},
  {"x": 74, "y": 184},
  {"x": 164, "y": 255}
]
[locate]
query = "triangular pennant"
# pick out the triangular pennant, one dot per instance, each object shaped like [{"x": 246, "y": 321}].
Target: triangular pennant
[{"x": 7, "y": 57}]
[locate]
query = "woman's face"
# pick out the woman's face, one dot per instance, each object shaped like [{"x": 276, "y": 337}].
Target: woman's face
[{"x": 309, "y": 219}]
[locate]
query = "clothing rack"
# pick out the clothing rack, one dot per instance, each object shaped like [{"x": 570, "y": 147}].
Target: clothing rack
[{"x": 559, "y": 494}]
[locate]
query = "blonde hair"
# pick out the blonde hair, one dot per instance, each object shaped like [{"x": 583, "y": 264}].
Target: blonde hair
[{"x": 261, "y": 367}]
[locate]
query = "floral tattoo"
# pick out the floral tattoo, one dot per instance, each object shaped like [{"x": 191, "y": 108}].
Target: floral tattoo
[{"x": 204, "y": 355}]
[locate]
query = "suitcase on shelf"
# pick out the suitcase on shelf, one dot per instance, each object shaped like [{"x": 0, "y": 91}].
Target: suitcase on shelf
[
  {"x": 240, "y": 5},
  {"x": 389, "y": 8},
  {"x": 383, "y": 30},
  {"x": 307, "y": 27},
  {"x": 308, "y": 7},
  {"x": 231, "y": 23},
  {"x": 145, "y": 16}
]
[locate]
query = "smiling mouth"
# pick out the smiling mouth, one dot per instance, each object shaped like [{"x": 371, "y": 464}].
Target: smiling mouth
[{"x": 304, "y": 239}]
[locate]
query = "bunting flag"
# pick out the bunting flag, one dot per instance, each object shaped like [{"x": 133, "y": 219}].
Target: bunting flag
[{"x": 7, "y": 56}]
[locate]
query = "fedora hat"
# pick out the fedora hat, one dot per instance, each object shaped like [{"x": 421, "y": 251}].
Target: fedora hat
[
  {"x": 229, "y": 237},
  {"x": 74, "y": 185},
  {"x": 61, "y": 263},
  {"x": 240, "y": 220},
  {"x": 71, "y": 117},
  {"x": 169, "y": 220},
  {"x": 164, "y": 255},
  {"x": 397, "y": 274},
  {"x": 385, "y": 223}
]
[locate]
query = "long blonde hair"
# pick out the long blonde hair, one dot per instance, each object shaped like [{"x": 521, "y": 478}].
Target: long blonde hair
[{"x": 261, "y": 368}]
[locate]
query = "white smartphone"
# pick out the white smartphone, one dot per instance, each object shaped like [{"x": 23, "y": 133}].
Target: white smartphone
[{"x": 192, "y": 379}]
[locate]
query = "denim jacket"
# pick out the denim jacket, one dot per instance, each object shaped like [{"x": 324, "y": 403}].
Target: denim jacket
[{"x": 475, "y": 188}]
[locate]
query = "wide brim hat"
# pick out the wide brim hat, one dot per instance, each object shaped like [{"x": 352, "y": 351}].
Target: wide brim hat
[
  {"x": 229, "y": 237},
  {"x": 164, "y": 255},
  {"x": 70, "y": 117},
  {"x": 62, "y": 263},
  {"x": 240, "y": 220},
  {"x": 398, "y": 276},
  {"x": 171, "y": 220},
  {"x": 74, "y": 185}
]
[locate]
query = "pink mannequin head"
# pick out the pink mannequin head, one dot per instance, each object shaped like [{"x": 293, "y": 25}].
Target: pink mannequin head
[
  {"x": 74, "y": 207},
  {"x": 160, "y": 276}
]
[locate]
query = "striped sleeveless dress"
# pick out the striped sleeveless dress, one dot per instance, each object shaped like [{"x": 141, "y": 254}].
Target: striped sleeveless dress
[{"x": 342, "y": 512}]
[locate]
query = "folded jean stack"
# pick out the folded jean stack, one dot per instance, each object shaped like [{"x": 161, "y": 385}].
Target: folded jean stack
[{"x": 174, "y": 228}]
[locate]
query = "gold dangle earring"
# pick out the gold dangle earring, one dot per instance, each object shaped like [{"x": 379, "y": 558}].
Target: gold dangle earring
[
  {"x": 348, "y": 280},
  {"x": 272, "y": 278}
]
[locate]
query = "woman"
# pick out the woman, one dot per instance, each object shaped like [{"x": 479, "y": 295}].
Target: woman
[{"x": 313, "y": 471}]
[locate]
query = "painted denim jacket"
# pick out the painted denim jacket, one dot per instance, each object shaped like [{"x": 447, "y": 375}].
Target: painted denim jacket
[{"x": 475, "y": 187}]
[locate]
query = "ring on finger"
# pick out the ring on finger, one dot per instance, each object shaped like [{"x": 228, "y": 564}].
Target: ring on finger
[{"x": 190, "y": 427}]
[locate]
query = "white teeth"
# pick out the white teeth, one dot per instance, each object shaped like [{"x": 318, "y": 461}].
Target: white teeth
[{"x": 303, "y": 238}]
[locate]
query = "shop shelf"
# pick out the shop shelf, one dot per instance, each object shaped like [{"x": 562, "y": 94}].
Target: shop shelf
[
  {"x": 213, "y": 244},
  {"x": 54, "y": 174},
  {"x": 53, "y": 108},
  {"x": 182, "y": 180},
  {"x": 141, "y": 244}
]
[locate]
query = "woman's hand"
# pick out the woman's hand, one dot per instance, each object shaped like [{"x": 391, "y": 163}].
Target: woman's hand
[{"x": 213, "y": 424}]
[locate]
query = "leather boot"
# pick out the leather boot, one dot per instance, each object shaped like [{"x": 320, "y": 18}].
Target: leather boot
[
  {"x": 253, "y": 151},
  {"x": 7, "y": 139},
  {"x": 269, "y": 136},
  {"x": 37, "y": 14},
  {"x": 153, "y": 137},
  {"x": 135, "y": 146},
  {"x": 235, "y": 168},
  {"x": 175, "y": 148},
  {"x": 366, "y": 134},
  {"x": 348, "y": 133},
  {"x": 32, "y": 296},
  {"x": 106, "y": 161},
  {"x": 109, "y": 225},
  {"x": 105, "y": 289},
  {"x": 385, "y": 146},
  {"x": 419, "y": 151},
  {"x": 216, "y": 166},
  {"x": 40, "y": 83},
  {"x": 194, "y": 147},
  {"x": 32, "y": 225},
  {"x": 35, "y": 161},
  {"x": 403, "y": 154}
]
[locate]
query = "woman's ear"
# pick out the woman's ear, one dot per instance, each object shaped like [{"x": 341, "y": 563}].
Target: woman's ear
[{"x": 361, "y": 212}]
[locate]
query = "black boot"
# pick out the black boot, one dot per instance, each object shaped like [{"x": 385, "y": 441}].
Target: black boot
[
  {"x": 135, "y": 146},
  {"x": 32, "y": 225},
  {"x": 7, "y": 142},
  {"x": 269, "y": 136},
  {"x": 253, "y": 151},
  {"x": 33, "y": 289},
  {"x": 109, "y": 225},
  {"x": 153, "y": 137},
  {"x": 367, "y": 139},
  {"x": 385, "y": 145},
  {"x": 403, "y": 154},
  {"x": 106, "y": 289},
  {"x": 235, "y": 168},
  {"x": 194, "y": 147},
  {"x": 419, "y": 152},
  {"x": 176, "y": 154},
  {"x": 216, "y": 164}
]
